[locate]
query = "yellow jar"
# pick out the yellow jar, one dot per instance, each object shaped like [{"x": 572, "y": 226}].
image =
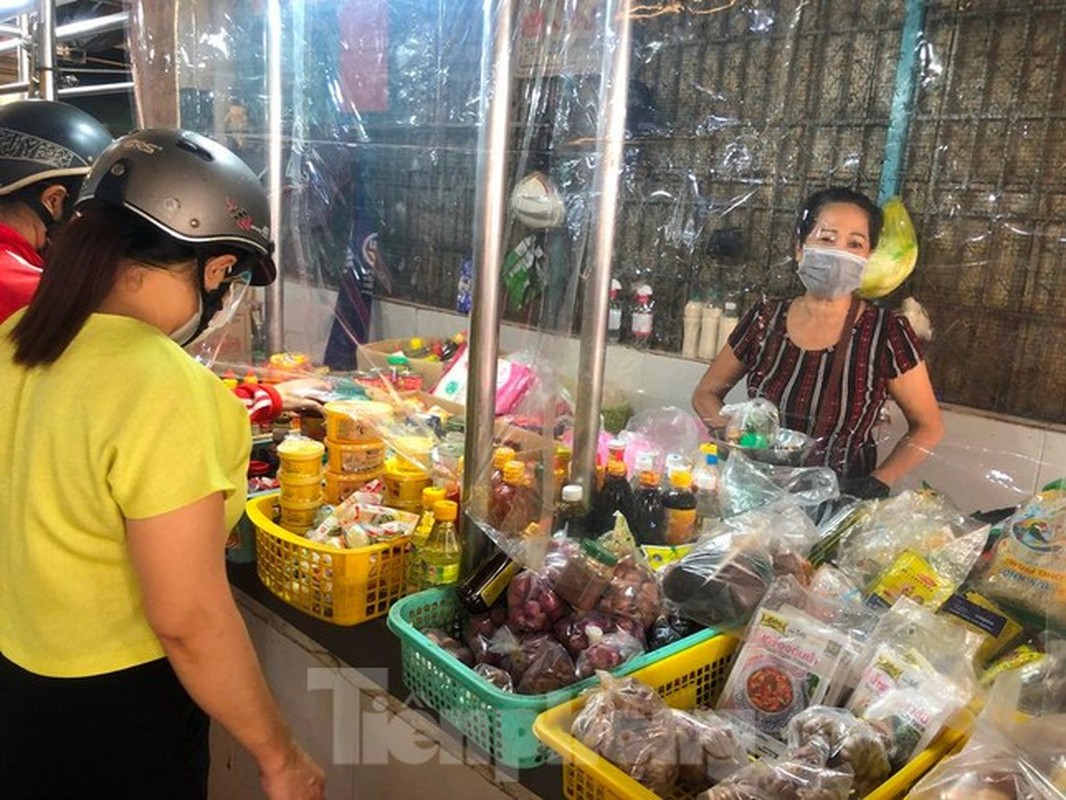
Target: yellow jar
[
  {"x": 355, "y": 456},
  {"x": 356, "y": 420},
  {"x": 404, "y": 485},
  {"x": 296, "y": 516},
  {"x": 301, "y": 456},
  {"x": 299, "y": 488},
  {"x": 412, "y": 452},
  {"x": 339, "y": 485}
]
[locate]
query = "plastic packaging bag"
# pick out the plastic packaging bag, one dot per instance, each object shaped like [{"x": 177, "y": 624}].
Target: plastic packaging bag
[
  {"x": 549, "y": 667},
  {"x": 608, "y": 652},
  {"x": 895, "y": 255},
  {"x": 709, "y": 747},
  {"x": 916, "y": 521},
  {"x": 627, "y": 723},
  {"x": 853, "y": 745},
  {"x": 725, "y": 576},
  {"x": 798, "y": 776},
  {"x": 532, "y": 605},
  {"x": 753, "y": 423},
  {"x": 792, "y": 658},
  {"x": 633, "y": 592},
  {"x": 1027, "y": 571},
  {"x": 747, "y": 485},
  {"x": 496, "y": 676},
  {"x": 914, "y": 675}
]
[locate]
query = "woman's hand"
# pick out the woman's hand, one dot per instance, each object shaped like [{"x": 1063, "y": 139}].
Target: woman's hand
[
  {"x": 297, "y": 778},
  {"x": 303, "y": 394},
  {"x": 708, "y": 396}
]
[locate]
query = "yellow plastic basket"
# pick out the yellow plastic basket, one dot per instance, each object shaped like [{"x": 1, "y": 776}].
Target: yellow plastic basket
[
  {"x": 337, "y": 585},
  {"x": 691, "y": 678}
]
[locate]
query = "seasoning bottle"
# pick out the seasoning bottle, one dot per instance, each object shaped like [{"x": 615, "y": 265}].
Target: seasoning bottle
[
  {"x": 413, "y": 569},
  {"x": 442, "y": 550},
  {"x": 561, "y": 475},
  {"x": 570, "y": 518},
  {"x": 691, "y": 318},
  {"x": 642, "y": 319},
  {"x": 705, "y": 481},
  {"x": 614, "y": 312},
  {"x": 397, "y": 365},
  {"x": 510, "y": 503},
  {"x": 614, "y": 496},
  {"x": 586, "y": 575},
  {"x": 679, "y": 507},
  {"x": 649, "y": 517},
  {"x": 500, "y": 456},
  {"x": 480, "y": 591}
]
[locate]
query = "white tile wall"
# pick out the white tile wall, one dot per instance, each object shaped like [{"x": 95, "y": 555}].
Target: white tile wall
[{"x": 981, "y": 463}]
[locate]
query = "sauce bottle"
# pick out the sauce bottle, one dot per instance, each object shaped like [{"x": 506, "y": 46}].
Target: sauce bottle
[
  {"x": 480, "y": 591},
  {"x": 500, "y": 456},
  {"x": 561, "y": 476},
  {"x": 705, "y": 481},
  {"x": 649, "y": 517},
  {"x": 570, "y": 517},
  {"x": 614, "y": 496},
  {"x": 679, "y": 505},
  {"x": 442, "y": 550},
  {"x": 510, "y": 502}
]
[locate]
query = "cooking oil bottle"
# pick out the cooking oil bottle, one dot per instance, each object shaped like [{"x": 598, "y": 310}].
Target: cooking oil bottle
[{"x": 442, "y": 550}]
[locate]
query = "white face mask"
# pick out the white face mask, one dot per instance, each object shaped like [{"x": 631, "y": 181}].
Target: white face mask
[
  {"x": 830, "y": 273},
  {"x": 184, "y": 334}
]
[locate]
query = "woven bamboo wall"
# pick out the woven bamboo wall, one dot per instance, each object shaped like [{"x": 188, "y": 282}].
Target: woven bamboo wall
[{"x": 754, "y": 107}]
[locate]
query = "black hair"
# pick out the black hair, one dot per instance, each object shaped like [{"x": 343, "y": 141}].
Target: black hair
[{"x": 813, "y": 205}]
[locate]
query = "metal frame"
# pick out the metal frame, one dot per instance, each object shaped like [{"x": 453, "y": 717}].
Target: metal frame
[{"x": 36, "y": 34}]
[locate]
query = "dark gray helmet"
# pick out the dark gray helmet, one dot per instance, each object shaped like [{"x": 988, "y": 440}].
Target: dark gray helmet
[
  {"x": 189, "y": 186},
  {"x": 41, "y": 140}
]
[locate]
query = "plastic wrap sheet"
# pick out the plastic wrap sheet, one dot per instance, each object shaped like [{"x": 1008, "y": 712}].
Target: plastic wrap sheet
[{"x": 736, "y": 111}]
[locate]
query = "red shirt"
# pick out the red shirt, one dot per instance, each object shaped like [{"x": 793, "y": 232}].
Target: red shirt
[
  {"x": 882, "y": 346},
  {"x": 20, "y": 271}
]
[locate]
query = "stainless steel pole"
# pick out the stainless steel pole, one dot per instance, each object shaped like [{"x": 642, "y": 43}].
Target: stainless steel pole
[
  {"x": 95, "y": 88},
  {"x": 46, "y": 49},
  {"x": 592, "y": 355},
  {"x": 490, "y": 215},
  {"x": 72, "y": 30},
  {"x": 274, "y": 304},
  {"x": 23, "y": 43}
]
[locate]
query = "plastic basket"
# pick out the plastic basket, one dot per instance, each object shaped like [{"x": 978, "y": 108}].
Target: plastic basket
[
  {"x": 685, "y": 680},
  {"x": 499, "y": 722},
  {"x": 337, "y": 585}
]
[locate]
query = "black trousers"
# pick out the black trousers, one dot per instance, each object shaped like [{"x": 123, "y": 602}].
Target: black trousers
[{"x": 132, "y": 734}]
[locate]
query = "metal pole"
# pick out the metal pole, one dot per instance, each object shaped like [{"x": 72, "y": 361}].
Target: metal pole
[
  {"x": 489, "y": 218},
  {"x": 96, "y": 88},
  {"x": 614, "y": 87},
  {"x": 72, "y": 30},
  {"x": 23, "y": 44},
  {"x": 274, "y": 305},
  {"x": 18, "y": 86},
  {"x": 46, "y": 49}
]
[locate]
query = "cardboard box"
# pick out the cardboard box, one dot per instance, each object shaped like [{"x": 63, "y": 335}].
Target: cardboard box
[{"x": 375, "y": 355}]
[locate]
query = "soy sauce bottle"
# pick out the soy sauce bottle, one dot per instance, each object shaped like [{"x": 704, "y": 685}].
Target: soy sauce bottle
[
  {"x": 649, "y": 517},
  {"x": 679, "y": 504},
  {"x": 480, "y": 591},
  {"x": 614, "y": 496}
]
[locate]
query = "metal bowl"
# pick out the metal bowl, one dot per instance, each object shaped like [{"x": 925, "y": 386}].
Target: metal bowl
[{"x": 790, "y": 448}]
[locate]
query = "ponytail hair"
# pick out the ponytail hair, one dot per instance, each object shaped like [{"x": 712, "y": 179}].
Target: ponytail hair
[{"x": 82, "y": 267}]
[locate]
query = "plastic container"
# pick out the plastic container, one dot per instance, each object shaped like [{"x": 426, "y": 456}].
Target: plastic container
[
  {"x": 404, "y": 486},
  {"x": 339, "y": 486},
  {"x": 341, "y": 586},
  {"x": 412, "y": 452},
  {"x": 355, "y": 456},
  {"x": 300, "y": 456},
  {"x": 687, "y": 678},
  {"x": 499, "y": 722},
  {"x": 356, "y": 420},
  {"x": 298, "y": 516},
  {"x": 299, "y": 488}
]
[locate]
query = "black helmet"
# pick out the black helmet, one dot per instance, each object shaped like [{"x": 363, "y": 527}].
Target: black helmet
[
  {"x": 189, "y": 186},
  {"x": 43, "y": 139}
]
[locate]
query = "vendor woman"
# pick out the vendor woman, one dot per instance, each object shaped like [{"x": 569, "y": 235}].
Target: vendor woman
[{"x": 786, "y": 349}]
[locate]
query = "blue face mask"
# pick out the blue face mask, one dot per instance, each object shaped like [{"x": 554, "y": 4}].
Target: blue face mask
[{"x": 830, "y": 273}]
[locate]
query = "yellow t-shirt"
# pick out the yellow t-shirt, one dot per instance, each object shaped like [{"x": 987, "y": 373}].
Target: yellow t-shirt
[{"x": 123, "y": 425}]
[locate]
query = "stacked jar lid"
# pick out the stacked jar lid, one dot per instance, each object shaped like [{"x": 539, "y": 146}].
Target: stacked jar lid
[
  {"x": 300, "y": 482},
  {"x": 356, "y": 451},
  {"x": 407, "y": 473}
]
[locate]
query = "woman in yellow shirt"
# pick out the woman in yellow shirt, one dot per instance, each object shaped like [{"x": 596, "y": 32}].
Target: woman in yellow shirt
[{"x": 124, "y": 461}]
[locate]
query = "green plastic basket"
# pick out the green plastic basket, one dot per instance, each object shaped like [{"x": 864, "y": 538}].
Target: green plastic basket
[{"x": 499, "y": 722}]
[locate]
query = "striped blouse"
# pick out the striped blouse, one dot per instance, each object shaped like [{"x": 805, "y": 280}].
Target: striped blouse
[{"x": 883, "y": 346}]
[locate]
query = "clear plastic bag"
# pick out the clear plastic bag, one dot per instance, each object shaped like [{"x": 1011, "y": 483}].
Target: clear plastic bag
[
  {"x": 608, "y": 652},
  {"x": 853, "y": 745},
  {"x": 709, "y": 747},
  {"x": 747, "y": 485},
  {"x": 798, "y": 776},
  {"x": 627, "y": 723},
  {"x": 496, "y": 676},
  {"x": 633, "y": 592},
  {"x": 532, "y": 604},
  {"x": 753, "y": 423},
  {"x": 722, "y": 580}
]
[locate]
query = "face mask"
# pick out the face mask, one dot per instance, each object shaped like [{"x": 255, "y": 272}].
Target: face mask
[
  {"x": 210, "y": 303},
  {"x": 830, "y": 273}
]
